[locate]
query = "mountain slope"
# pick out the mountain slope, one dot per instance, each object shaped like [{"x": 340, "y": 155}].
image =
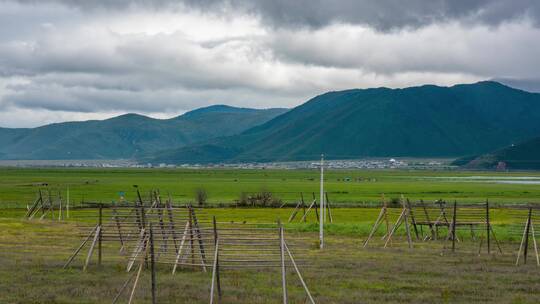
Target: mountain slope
[
  {"x": 425, "y": 121},
  {"x": 127, "y": 135},
  {"x": 523, "y": 156}
]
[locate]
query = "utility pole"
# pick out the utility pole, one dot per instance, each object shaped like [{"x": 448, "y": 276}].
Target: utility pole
[{"x": 322, "y": 206}]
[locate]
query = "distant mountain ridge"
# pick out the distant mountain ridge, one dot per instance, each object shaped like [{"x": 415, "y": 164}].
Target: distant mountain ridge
[
  {"x": 128, "y": 135},
  {"x": 521, "y": 156},
  {"x": 424, "y": 121}
]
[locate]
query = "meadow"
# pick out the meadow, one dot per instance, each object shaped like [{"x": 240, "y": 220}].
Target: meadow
[
  {"x": 32, "y": 253},
  {"x": 18, "y": 187}
]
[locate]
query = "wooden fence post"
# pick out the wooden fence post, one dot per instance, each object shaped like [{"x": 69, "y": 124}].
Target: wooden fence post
[
  {"x": 218, "y": 283},
  {"x": 100, "y": 238},
  {"x": 282, "y": 254},
  {"x": 152, "y": 264},
  {"x": 527, "y": 231},
  {"x": 454, "y": 217},
  {"x": 488, "y": 228}
]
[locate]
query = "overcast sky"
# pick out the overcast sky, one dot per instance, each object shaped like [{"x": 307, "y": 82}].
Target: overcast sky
[{"x": 78, "y": 59}]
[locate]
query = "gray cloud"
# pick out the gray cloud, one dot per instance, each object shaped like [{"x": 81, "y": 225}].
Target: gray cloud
[
  {"x": 92, "y": 59},
  {"x": 382, "y": 15}
]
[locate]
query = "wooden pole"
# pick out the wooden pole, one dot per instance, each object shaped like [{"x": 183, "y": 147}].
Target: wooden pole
[
  {"x": 386, "y": 221},
  {"x": 51, "y": 207},
  {"x": 375, "y": 226},
  {"x": 527, "y": 231},
  {"x": 132, "y": 295},
  {"x": 488, "y": 226},
  {"x": 315, "y": 204},
  {"x": 100, "y": 240},
  {"x": 199, "y": 240},
  {"x": 67, "y": 203},
  {"x": 216, "y": 240},
  {"x": 42, "y": 203},
  {"x": 191, "y": 236},
  {"x": 282, "y": 254},
  {"x": 303, "y": 205},
  {"x": 139, "y": 248},
  {"x": 119, "y": 227},
  {"x": 495, "y": 239},
  {"x": 413, "y": 220},
  {"x": 91, "y": 250},
  {"x": 395, "y": 227},
  {"x": 171, "y": 223},
  {"x": 299, "y": 275},
  {"x": 214, "y": 271},
  {"x": 327, "y": 204},
  {"x": 535, "y": 246},
  {"x": 454, "y": 217},
  {"x": 123, "y": 288},
  {"x": 433, "y": 234},
  {"x": 30, "y": 212},
  {"x": 407, "y": 228},
  {"x": 152, "y": 265},
  {"x": 80, "y": 247},
  {"x": 161, "y": 222},
  {"x": 60, "y": 215},
  {"x": 522, "y": 241},
  {"x": 295, "y": 211},
  {"x": 179, "y": 254}
]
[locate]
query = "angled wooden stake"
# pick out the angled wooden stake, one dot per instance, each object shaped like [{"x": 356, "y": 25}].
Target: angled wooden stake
[
  {"x": 375, "y": 226},
  {"x": 395, "y": 227},
  {"x": 215, "y": 267},
  {"x": 152, "y": 265},
  {"x": 91, "y": 250},
  {"x": 119, "y": 228},
  {"x": 535, "y": 245},
  {"x": 299, "y": 274},
  {"x": 327, "y": 204},
  {"x": 282, "y": 255},
  {"x": 172, "y": 227},
  {"x": 140, "y": 247},
  {"x": 80, "y": 247},
  {"x": 295, "y": 211},
  {"x": 522, "y": 241},
  {"x": 199, "y": 239},
  {"x": 313, "y": 203},
  {"x": 179, "y": 254}
]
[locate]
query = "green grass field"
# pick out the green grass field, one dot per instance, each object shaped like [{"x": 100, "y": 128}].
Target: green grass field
[
  {"x": 18, "y": 187},
  {"x": 32, "y": 252}
]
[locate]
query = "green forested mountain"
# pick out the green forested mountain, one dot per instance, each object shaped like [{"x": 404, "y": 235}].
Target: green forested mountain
[
  {"x": 128, "y": 135},
  {"x": 522, "y": 156},
  {"x": 425, "y": 121}
]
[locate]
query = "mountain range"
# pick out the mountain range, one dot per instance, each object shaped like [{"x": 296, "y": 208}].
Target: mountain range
[
  {"x": 521, "y": 156},
  {"x": 128, "y": 136},
  {"x": 423, "y": 121}
]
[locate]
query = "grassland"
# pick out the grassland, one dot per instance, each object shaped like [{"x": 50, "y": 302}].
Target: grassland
[
  {"x": 343, "y": 272},
  {"x": 32, "y": 252},
  {"x": 347, "y": 187}
]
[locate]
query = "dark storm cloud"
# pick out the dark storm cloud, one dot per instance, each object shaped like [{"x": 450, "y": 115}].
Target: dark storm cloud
[{"x": 382, "y": 15}]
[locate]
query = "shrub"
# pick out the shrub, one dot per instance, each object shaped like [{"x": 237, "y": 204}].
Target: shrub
[{"x": 201, "y": 196}]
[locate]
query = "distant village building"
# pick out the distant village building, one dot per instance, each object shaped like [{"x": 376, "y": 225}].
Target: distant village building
[{"x": 501, "y": 166}]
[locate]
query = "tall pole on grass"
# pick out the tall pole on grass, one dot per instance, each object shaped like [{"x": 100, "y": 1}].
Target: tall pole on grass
[
  {"x": 67, "y": 203},
  {"x": 322, "y": 206}
]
